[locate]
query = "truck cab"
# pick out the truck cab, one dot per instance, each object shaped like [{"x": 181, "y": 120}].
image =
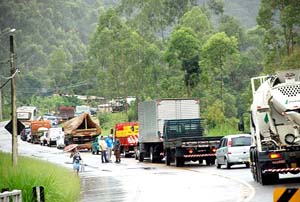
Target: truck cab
[{"x": 184, "y": 140}]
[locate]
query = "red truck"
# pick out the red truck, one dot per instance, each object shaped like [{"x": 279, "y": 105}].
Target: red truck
[
  {"x": 66, "y": 113},
  {"x": 127, "y": 133}
]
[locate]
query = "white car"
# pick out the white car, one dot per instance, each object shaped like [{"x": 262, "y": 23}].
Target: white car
[
  {"x": 234, "y": 149},
  {"x": 58, "y": 137}
]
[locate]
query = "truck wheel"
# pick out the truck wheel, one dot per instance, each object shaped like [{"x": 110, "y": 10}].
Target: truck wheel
[
  {"x": 179, "y": 161},
  {"x": 209, "y": 161},
  {"x": 267, "y": 179},
  {"x": 168, "y": 158},
  {"x": 141, "y": 157},
  {"x": 152, "y": 157}
]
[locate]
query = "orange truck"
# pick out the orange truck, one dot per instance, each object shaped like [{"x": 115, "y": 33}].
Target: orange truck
[
  {"x": 38, "y": 129},
  {"x": 127, "y": 133}
]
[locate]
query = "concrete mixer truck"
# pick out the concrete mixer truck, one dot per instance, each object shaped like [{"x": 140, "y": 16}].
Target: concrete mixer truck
[{"x": 275, "y": 125}]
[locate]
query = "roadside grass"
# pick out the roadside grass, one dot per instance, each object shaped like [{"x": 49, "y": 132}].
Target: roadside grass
[
  {"x": 223, "y": 131},
  {"x": 60, "y": 184}
]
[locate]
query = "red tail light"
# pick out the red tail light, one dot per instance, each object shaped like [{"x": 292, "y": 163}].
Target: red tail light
[
  {"x": 229, "y": 143},
  {"x": 214, "y": 150},
  {"x": 190, "y": 151},
  {"x": 275, "y": 156}
]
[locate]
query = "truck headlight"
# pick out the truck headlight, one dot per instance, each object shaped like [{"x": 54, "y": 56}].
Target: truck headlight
[{"x": 289, "y": 138}]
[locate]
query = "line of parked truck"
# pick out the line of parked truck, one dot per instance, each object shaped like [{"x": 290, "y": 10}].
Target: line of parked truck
[{"x": 172, "y": 129}]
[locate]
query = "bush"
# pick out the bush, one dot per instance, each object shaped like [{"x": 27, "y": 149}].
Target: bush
[
  {"x": 60, "y": 184},
  {"x": 108, "y": 121}
]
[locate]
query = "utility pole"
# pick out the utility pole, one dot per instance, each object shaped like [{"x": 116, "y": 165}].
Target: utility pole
[
  {"x": 1, "y": 117},
  {"x": 13, "y": 104}
]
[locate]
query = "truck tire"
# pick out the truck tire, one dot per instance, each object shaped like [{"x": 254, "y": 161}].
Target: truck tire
[
  {"x": 179, "y": 161},
  {"x": 141, "y": 157},
  {"x": 152, "y": 155},
  {"x": 267, "y": 179},
  {"x": 209, "y": 161},
  {"x": 168, "y": 157},
  {"x": 253, "y": 165}
]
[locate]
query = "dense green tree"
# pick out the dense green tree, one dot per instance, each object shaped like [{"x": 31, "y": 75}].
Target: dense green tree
[
  {"x": 59, "y": 70},
  {"x": 184, "y": 50},
  {"x": 281, "y": 21},
  {"x": 152, "y": 18},
  {"x": 125, "y": 62},
  {"x": 218, "y": 54},
  {"x": 217, "y": 6},
  {"x": 197, "y": 20},
  {"x": 232, "y": 27}
]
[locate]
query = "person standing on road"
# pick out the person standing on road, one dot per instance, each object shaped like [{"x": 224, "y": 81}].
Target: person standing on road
[
  {"x": 117, "y": 152},
  {"x": 109, "y": 143},
  {"x": 76, "y": 159},
  {"x": 103, "y": 148}
]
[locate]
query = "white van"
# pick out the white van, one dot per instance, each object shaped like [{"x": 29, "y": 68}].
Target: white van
[
  {"x": 234, "y": 149},
  {"x": 55, "y": 135}
]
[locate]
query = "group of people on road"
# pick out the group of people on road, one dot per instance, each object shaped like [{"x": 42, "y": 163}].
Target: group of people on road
[{"x": 107, "y": 146}]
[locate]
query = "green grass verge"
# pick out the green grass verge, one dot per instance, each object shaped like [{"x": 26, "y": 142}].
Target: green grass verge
[{"x": 60, "y": 184}]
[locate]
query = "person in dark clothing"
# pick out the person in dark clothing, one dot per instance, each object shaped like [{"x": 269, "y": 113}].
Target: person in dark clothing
[{"x": 117, "y": 152}]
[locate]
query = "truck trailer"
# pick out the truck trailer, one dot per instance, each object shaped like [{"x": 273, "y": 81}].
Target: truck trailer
[
  {"x": 275, "y": 126},
  {"x": 155, "y": 144},
  {"x": 127, "y": 133},
  {"x": 81, "y": 130}
]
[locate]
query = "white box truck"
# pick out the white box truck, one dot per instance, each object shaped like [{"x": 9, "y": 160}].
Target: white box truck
[{"x": 154, "y": 144}]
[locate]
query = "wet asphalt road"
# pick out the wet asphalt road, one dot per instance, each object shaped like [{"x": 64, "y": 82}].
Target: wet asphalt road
[{"x": 132, "y": 181}]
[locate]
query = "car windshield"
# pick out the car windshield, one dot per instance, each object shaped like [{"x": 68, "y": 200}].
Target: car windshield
[{"x": 241, "y": 141}]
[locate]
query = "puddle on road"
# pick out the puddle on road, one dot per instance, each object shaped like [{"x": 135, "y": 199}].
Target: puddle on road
[
  {"x": 145, "y": 168},
  {"x": 102, "y": 188}
]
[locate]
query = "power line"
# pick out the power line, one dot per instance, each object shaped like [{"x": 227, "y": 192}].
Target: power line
[
  {"x": 4, "y": 84},
  {"x": 9, "y": 78}
]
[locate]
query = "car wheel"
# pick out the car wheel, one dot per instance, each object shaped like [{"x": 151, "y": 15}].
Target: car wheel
[
  {"x": 217, "y": 164},
  {"x": 227, "y": 164}
]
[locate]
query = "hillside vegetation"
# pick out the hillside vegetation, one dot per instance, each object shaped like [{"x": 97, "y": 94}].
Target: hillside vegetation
[{"x": 148, "y": 49}]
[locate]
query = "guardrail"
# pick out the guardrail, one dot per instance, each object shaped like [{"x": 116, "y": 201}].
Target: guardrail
[{"x": 8, "y": 196}]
